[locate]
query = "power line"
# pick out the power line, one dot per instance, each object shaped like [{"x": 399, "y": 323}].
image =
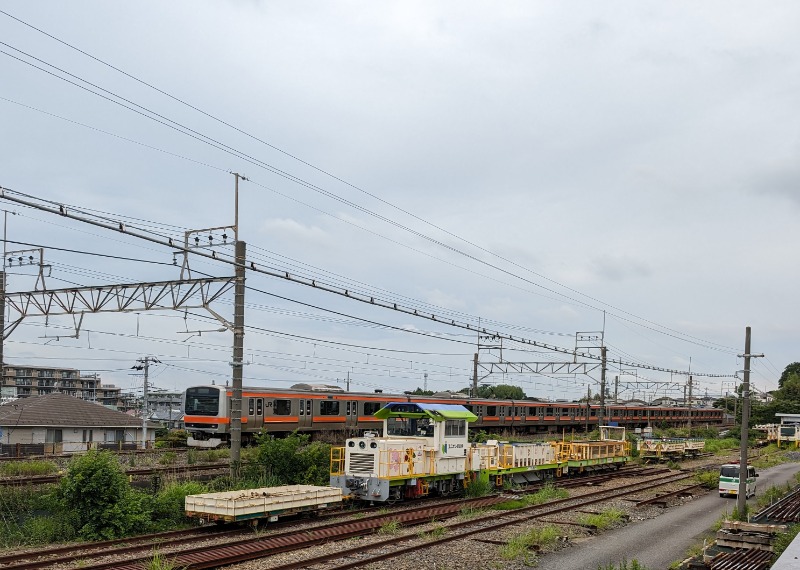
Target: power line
[{"x": 221, "y": 146}]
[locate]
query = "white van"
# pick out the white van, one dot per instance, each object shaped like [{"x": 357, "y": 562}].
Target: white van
[{"x": 729, "y": 480}]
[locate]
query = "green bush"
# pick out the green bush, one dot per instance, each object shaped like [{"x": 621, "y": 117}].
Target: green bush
[
  {"x": 168, "y": 505},
  {"x": 96, "y": 490},
  {"x": 47, "y": 530},
  {"x": 291, "y": 460},
  {"x": 174, "y": 438},
  {"x": 708, "y": 479}
]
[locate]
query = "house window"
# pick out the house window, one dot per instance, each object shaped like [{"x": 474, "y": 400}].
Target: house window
[
  {"x": 53, "y": 436},
  {"x": 282, "y": 407},
  {"x": 329, "y": 408},
  {"x": 88, "y": 435},
  {"x": 115, "y": 436}
]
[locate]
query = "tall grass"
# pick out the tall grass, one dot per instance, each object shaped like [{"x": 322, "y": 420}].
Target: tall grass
[{"x": 27, "y": 468}]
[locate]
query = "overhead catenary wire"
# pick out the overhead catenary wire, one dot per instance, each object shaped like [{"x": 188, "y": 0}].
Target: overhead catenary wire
[
  {"x": 655, "y": 327},
  {"x": 22, "y": 198}
]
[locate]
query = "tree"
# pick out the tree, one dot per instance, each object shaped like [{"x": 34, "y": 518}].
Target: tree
[
  {"x": 499, "y": 392},
  {"x": 95, "y": 490},
  {"x": 793, "y": 368}
]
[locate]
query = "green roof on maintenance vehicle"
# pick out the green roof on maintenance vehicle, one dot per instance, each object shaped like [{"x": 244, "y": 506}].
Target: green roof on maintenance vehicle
[{"x": 437, "y": 412}]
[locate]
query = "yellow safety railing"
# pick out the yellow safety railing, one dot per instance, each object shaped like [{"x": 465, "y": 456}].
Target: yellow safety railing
[{"x": 337, "y": 460}]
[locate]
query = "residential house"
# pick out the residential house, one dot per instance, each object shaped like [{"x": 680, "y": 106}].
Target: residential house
[{"x": 58, "y": 423}]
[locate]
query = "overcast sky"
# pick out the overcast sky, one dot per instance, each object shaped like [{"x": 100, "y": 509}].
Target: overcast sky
[{"x": 540, "y": 168}]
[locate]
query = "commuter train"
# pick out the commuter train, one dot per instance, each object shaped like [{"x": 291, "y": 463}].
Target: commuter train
[
  {"x": 425, "y": 450},
  {"x": 306, "y": 409}
]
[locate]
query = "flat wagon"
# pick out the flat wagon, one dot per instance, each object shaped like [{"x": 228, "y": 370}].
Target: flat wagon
[{"x": 264, "y": 503}]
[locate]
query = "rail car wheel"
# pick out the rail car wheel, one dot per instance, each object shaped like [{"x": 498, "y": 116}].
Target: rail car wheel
[{"x": 395, "y": 494}]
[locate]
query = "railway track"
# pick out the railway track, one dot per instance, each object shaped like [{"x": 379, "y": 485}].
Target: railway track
[
  {"x": 49, "y": 479},
  {"x": 247, "y": 547}
]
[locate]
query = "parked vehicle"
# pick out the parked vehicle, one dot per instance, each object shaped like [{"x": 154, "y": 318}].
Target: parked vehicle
[{"x": 729, "y": 480}]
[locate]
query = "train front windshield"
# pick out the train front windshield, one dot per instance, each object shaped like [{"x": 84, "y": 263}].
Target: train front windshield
[{"x": 202, "y": 402}]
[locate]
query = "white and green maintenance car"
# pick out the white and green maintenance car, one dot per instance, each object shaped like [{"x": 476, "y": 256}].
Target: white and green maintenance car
[{"x": 729, "y": 480}]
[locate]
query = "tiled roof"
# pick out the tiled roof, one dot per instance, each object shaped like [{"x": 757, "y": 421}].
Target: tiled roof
[{"x": 62, "y": 410}]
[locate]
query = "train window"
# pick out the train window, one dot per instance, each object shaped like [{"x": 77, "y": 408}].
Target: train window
[
  {"x": 455, "y": 428},
  {"x": 282, "y": 407},
  {"x": 371, "y": 407},
  {"x": 250, "y": 407},
  {"x": 491, "y": 410},
  {"x": 260, "y": 407},
  {"x": 516, "y": 411},
  {"x": 548, "y": 412},
  {"x": 308, "y": 407},
  {"x": 347, "y": 413},
  {"x": 329, "y": 408}
]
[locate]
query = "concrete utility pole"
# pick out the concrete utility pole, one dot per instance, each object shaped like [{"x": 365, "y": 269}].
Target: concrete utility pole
[
  {"x": 690, "y": 406},
  {"x": 741, "y": 504},
  {"x": 238, "y": 358},
  {"x": 2, "y": 318},
  {"x": 475, "y": 376},
  {"x": 144, "y": 365},
  {"x": 602, "y": 414}
]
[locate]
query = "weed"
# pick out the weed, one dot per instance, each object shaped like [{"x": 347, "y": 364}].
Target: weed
[
  {"x": 161, "y": 562},
  {"x": 191, "y": 456},
  {"x": 547, "y": 493},
  {"x": 603, "y": 520},
  {"x": 785, "y": 539},
  {"x": 471, "y": 512},
  {"x": 521, "y": 545},
  {"x": 27, "y": 468},
  {"x": 634, "y": 565},
  {"x": 479, "y": 487},
  {"x": 390, "y": 527},
  {"x": 708, "y": 479},
  {"x": 168, "y": 458}
]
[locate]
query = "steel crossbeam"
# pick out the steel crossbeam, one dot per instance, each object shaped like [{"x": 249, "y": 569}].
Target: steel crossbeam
[
  {"x": 159, "y": 295},
  {"x": 539, "y": 367}
]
